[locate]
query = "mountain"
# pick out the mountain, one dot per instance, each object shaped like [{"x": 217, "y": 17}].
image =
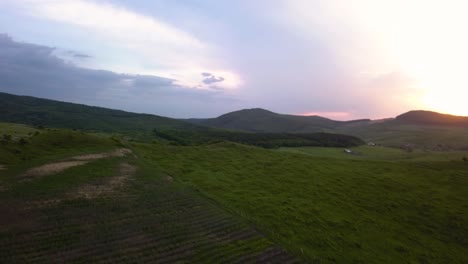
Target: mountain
[
  {"x": 261, "y": 120},
  {"x": 45, "y": 112},
  {"x": 432, "y": 119},
  {"x": 50, "y": 113},
  {"x": 422, "y": 129}
]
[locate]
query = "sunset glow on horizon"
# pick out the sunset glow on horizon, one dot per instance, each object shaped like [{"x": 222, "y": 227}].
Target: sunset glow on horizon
[{"x": 337, "y": 58}]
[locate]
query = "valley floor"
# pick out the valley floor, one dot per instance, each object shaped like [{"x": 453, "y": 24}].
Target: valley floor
[{"x": 72, "y": 197}]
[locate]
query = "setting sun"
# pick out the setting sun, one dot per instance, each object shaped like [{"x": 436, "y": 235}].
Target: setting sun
[{"x": 432, "y": 49}]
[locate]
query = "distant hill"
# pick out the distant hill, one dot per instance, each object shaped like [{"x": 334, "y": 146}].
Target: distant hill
[
  {"x": 422, "y": 129},
  {"x": 261, "y": 120},
  {"x": 44, "y": 112},
  {"x": 50, "y": 113},
  {"x": 432, "y": 118}
]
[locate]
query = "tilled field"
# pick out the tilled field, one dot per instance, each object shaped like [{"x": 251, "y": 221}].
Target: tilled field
[{"x": 142, "y": 219}]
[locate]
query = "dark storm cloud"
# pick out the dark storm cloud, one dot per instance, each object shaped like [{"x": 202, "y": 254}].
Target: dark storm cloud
[{"x": 29, "y": 69}]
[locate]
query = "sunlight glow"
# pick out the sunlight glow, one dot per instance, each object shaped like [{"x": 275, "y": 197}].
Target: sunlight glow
[{"x": 429, "y": 42}]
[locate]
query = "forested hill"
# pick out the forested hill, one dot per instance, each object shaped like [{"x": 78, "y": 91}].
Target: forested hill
[
  {"x": 261, "y": 120},
  {"x": 44, "y": 112},
  {"x": 50, "y": 113}
]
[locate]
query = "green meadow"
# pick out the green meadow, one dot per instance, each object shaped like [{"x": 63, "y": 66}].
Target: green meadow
[
  {"x": 379, "y": 153},
  {"x": 228, "y": 203},
  {"x": 330, "y": 208},
  {"x": 112, "y": 209}
]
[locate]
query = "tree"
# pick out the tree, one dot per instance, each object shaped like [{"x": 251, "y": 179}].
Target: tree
[{"x": 465, "y": 159}]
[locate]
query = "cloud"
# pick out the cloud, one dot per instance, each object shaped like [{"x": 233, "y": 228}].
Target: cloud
[
  {"x": 211, "y": 78},
  {"x": 156, "y": 47},
  {"x": 79, "y": 55},
  {"x": 29, "y": 69}
]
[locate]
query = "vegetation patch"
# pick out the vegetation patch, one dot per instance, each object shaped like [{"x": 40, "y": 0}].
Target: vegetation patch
[
  {"x": 125, "y": 172},
  {"x": 333, "y": 210},
  {"x": 120, "y": 209}
]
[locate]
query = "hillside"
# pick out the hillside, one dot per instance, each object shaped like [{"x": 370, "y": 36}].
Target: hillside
[
  {"x": 261, "y": 120},
  {"x": 51, "y": 183},
  {"x": 49, "y": 113},
  {"x": 419, "y": 129},
  {"x": 422, "y": 129},
  {"x": 432, "y": 119},
  {"x": 44, "y": 112}
]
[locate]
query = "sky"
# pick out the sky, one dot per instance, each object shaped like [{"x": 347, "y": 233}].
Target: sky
[{"x": 202, "y": 58}]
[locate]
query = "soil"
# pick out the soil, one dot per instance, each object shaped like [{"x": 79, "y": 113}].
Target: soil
[
  {"x": 60, "y": 166},
  {"x": 117, "y": 153},
  {"x": 126, "y": 171},
  {"x": 51, "y": 168}
]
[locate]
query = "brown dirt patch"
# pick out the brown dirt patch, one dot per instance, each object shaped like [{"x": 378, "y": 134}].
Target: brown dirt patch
[
  {"x": 41, "y": 204},
  {"x": 3, "y": 167},
  {"x": 92, "y": 191},
  {"x": 60, "y": 166},
  {"x": 51, "y": 168},
  {"x": 168, "y": 179},
  {"x": 116, "y": 153}
]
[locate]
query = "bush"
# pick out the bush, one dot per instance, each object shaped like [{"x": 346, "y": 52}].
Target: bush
[
  {"x": 6, "y": 138},
  {"x": 23, "y": 141},
  {"x": 465, "y": 159}
]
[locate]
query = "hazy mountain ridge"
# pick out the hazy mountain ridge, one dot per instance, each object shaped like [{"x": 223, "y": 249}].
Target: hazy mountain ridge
[
  {"x": 424, "y": 129},
  {"x": 261, "y": 120},
  {"x": 432, "y": 118},
  {"x": 38, "y": 111},
  {"x": 146, "y": 127}
]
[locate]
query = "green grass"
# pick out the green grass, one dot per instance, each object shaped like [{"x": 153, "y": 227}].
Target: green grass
[
  {"x": 334, "y": 210},
  {"x": 16, "y": 130},
  {"x": 382, "y": 206},
  {"x": 149, "y": 219},
  {"x": 379, "y": 153},
  {"x": 394, "y": 134},
  {"x": 51, "y": 144}
]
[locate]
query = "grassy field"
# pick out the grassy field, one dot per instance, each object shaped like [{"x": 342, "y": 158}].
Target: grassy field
[
  {"x": 227, "y": 202},
  {"x": 394, "y": 134},
  {"x": 379, "y": 153},
  {"x": 112, "y": 209},
  {"x": 16, "y": 130},
  {"x": 334, "y": 209}
]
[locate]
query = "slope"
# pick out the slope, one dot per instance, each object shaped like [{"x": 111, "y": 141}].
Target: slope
[
  {"x": 261, "y": 120},
  {"x": 44, "y": 112}
]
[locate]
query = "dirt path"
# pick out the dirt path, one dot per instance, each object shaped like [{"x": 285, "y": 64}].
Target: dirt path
[
  {"x": 117, "y": 153},
  {"x": 52, "y": 168},
  {"x": 56, "y": 167}
]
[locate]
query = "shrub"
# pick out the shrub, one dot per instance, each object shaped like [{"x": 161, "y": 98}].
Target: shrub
[
  {"x": 6, "y": 138},
  {"x": 23, "y": 141}
]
